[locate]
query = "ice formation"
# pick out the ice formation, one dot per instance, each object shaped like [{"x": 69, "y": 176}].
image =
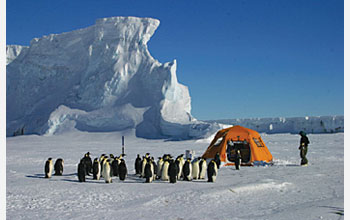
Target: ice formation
[
  {"x": 100, "y": 78},
  {"x": 103, "y": 78}
]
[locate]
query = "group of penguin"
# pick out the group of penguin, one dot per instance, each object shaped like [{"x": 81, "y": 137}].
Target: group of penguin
[
  {"x": 105, "y": 166},
  {"x": 49, "y": 167},
  {"x": 169, "y": 169},
  {"x": 166, "y": 169}
]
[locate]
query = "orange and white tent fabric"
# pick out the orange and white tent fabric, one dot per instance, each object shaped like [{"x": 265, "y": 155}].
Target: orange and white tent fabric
[{"x": 252, "y": 148}]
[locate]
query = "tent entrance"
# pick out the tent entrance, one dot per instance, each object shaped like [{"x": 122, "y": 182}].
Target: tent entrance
[{"x": 244, "y": 148}]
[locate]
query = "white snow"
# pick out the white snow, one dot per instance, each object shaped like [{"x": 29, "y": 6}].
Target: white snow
[
  {"x": 13, "y": 51},
  {"x": 282, "y": 191}
]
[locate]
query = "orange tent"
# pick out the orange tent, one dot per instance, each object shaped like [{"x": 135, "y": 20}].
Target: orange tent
[{"x": 253, "y": 149}]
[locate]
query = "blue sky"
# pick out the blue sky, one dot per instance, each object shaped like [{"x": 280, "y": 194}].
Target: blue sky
[{"x": 239, "y": 58}]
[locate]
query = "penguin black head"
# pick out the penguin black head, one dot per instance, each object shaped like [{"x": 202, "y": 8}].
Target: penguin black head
[
  {"x": 111, "y": 155},
  {"x": 49, "y": 158}
]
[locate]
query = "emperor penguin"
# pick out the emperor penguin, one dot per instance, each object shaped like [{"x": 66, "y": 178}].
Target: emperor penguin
[
  {"x": 123, "y": 171},
  {"x": 180, "y": 162},
  {"x": 165, "y": 176},
  {"x": 202, "y": 168},
  {"x": 115, "y": 167},
  {"x": 111, "y": 160},
  {"x": 217, "y": 160},
  {"x": 155, "y": 168},
  {"x": 106, "y": 172},
  {"x": 212, "y": 171},
  {"x": 187, "y": 170},
  {"x": 195, "y": 169},
  {"x": 149, "y": 171},
  {"x": 159, "y": 167},
  {"x": 81, "y": 170},
  {"x": 144, "y": 162},
  {"x": 173, "y": 171},
  {"x": 102, "y": 158},
  {"x": 96, "y": 169},
  {"x": 59, "y": 167},
  {"x": 88, "y": 163},
  {"x": 48, "y": 168},
  {"x": 138, "y": 165}
]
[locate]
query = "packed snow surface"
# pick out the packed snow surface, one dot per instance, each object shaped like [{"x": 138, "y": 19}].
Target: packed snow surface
[{"x": 284, "y": 190}]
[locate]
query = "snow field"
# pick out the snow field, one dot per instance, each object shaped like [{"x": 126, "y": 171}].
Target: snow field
[{"x": 282, "y": 191}]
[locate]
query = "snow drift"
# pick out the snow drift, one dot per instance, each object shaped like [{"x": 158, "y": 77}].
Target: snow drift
[{"x": 100, "y": 78}]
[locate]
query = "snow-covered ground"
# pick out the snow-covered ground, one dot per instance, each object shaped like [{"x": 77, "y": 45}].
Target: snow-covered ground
[{"x": 282, "y": 191}]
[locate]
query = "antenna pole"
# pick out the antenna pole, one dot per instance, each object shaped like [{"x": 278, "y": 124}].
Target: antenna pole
[{"x": 123, "y": 145}]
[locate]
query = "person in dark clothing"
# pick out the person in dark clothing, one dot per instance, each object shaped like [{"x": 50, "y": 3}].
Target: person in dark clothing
[
  {"x": 217, "y": 160},
  {"x": 304, "y": 142},
  {"x": 237, "y": 159}
]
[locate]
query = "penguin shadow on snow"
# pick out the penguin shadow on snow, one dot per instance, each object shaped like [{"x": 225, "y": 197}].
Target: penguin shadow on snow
[
  {"x": 38, "y": 176},
  {"x": 87, "y": 181},
  {"x": 293, "y": 165},
  {"x": 335, "y": 210},
  {"x": 132, "y": 178}
]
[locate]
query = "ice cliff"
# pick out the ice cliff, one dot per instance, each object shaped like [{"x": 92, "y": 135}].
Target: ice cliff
[{"x": 100, "y": 78}]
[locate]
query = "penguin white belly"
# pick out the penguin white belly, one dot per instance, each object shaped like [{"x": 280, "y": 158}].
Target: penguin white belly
[
  {"x": 49, "y": 174},
  {"x": 152, "y": 169},
  {"x": 159, "y": 169},
  {"x": 180, "y": 171},
  {"x": 110, "y": 166},
  {"x": 106, "y": 172},
  {"x": 203, "y": 170},
  {"x": 195, "y": 170},
  {"x": 215, "y": 174},
  {"x": 98, "y": 175},
  {"x": 189, "y": 176},
  {"x": 165, "y": 176},
  {"x": 144, "y": 162}
]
